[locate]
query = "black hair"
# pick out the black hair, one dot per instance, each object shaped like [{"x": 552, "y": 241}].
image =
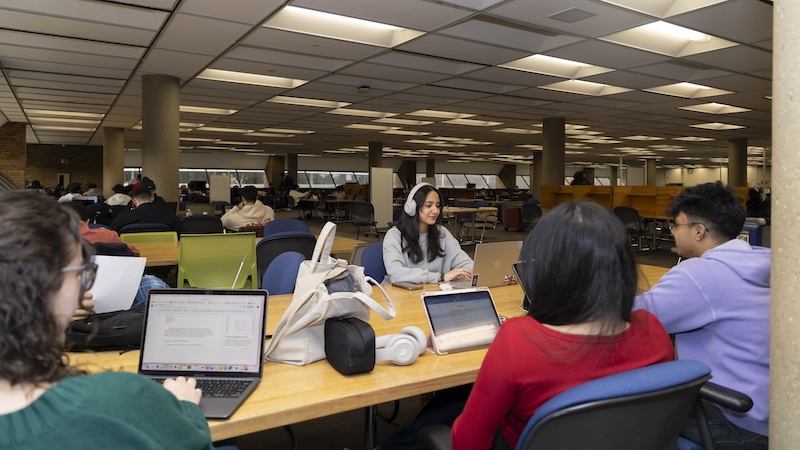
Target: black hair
[
  {"x": 409, "y": 230},
  {"x": 74, "y": 188},
  {"x": 714, "y": 205},
  {"x": 580, "y": 267},
  {"x": 142, "y": 195},
  {"x": 249, "y": 194}
]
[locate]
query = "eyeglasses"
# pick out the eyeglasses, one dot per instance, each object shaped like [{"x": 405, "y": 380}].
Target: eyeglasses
[
  {"x": 673, "y": 225},
  {"x": 87, "y": 274}
]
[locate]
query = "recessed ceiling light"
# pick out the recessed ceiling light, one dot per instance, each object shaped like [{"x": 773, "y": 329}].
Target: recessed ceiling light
[
  {"x": 250, "y": 78},
  {"x": 204, "y": 110},
  {"x": 585, "y": 88},
  {"x": 440, "y": 114},
  {"x": 284, "y": 130},
  {"x": 692, "y": 139},
  {"x": 715, "y": 108},
  {"x": 360, "y": 113},
  {"x": 406, "y": 132},
  {"x": 334, "y": 26},
  {"x": 225, "y": 130},
  {"x": 403, "y": 121},
  {"x": 717, "y": 126},
  {"x": 299, "y": 101},
  {"x": 473, "y": 123},
  {"x": 56, "y": 128},
  {"x": 642, "y": 138},
  {"x": 364, "y": 126},
  {"x": 557, "y": 67},
  {"x": 688, "y": 90},
  {"x": 45, "y": 112},
  {"x": 668, "y": 39},
  {"x": 517, "y": 131},
  {"x": 63, "y": 120}
]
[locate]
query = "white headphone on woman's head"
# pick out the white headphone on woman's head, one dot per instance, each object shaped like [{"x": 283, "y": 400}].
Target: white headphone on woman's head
[
  {"x": 410, "y": 207},
  {"x": 402, "y": 348}
]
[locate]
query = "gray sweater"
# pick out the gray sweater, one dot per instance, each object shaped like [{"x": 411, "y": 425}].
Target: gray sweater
[{"x": 400, "y": 268}]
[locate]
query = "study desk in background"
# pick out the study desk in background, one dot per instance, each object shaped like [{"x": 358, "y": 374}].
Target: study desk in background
[
  {"x": 168, "y": 253},
  {"x": 456, "y": 211},
  {"x": 291, "y": 394}
]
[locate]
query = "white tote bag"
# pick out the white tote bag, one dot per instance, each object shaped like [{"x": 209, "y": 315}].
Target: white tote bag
[{"x": 326, "y": 288}]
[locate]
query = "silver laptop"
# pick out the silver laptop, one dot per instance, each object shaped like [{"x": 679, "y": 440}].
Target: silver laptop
[
  {"x": 214, "y": 336},
  {"x": 461, "y": 320},
  {"x": 492, "y": 268},
  {"x": 519, "y": 268}
]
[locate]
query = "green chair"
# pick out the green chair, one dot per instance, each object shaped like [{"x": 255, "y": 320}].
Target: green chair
[
  {"x": 151, "y": 236},
  {"x": 212, "y": 261}
]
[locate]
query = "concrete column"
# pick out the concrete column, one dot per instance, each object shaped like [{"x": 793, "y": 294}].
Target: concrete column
[
  {"x": 508, "y": 175},
  {"x": 161, "y": 133},
  {"x": 650, "y": 172},
  {"x": 614, "y": 175},
  {"x": 291, "y": 167},
  {"x": 785, "y": 309},
  {"x": 553, "y": 141},
  {"x": 536, "y": 175},
  {"x": 408, "y": 172},
  {"x": 430, "y": 167},
  {"x": 375, "y": 154},
  {"x": 275, "y": 166},
  {"x": 737, "y": 162},
  {"x": 113, "y": 159}
]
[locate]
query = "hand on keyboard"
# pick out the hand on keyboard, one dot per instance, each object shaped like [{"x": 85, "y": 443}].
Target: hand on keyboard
[{"x": 184, "y": 389}]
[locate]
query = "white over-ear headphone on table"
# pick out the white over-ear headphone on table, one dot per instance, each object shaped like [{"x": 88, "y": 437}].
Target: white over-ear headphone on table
[
  {"x": 402, "y": 348},
  {"x": 410, "y": 207}
]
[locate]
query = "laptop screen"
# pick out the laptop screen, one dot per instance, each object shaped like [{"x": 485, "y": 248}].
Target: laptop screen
[
  {"x": 461, "y": 319},
  {"x": 215, "y": 332},
  {"x": 493, "y": 263}
]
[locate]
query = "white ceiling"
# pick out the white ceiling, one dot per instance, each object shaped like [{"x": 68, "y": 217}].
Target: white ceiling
[{"x": 88, "y": 56}]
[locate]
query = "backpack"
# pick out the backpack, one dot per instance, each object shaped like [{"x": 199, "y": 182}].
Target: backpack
[{"x": 118, "y": 330}]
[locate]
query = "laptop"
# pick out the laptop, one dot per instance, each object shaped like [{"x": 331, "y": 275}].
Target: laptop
[
  {"x": 214, "y": 336},
  {"x": 461, "y": 320},
  {"x": 526, "y": 293},
  {"x": 492, "y": 267}
]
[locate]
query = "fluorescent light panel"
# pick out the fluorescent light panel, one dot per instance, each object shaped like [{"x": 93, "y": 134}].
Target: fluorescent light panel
[
  {"x": 334, "y": 26},
  {"x": 687, "y": 90},
  {"x": 473, "y": 123},
  {"x": 717, "y": 126},
  {"x": 299, "y": 101},
  {"x": 517, "y": 131},
  {"x": 360, "y": 113},
  {"x": 715, "y": 108},
  {"x": 557, "y": 67},
  {"x": 585, "y": 88},
  {"x": 204, "y": 110},
  {"x": 663, "y": 8},
  {"x": 80, "y": 115},
  {"x": 440, "y": 114},
  {"x": 407, "y": 122},
  {"x": 250, "y": 78},
  {"x": 668, "y": 39}
]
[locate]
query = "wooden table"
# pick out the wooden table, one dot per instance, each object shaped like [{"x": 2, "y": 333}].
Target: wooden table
[
  {"x": 455, "y": 211},
  {"x": 290, "y": 394},
  {"x": 168, "y": 253}
]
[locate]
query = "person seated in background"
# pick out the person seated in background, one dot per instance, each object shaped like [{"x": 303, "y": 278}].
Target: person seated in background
[
  {"x": 119, "y": 198},
  {"x": 418, "y": 249},
  {"x": 194, "y": 193},
  {"x": 579, "y": 179},
  {"x": 339, "y": 193},
  {"x": 145, "y": 212},
  {"x": 716, "y": 303},
  {"x": 151, "y": 185},
  {"x": 581, "y": 271},
  {"x": 73, "y": 193},
  {"x": 105, "y": 235},
  {"x": 249, "y": 210},
  {"x": 45, "y": 273},
  {"x": 93, "y": 190},
  {"x": 296, "y": 194}
]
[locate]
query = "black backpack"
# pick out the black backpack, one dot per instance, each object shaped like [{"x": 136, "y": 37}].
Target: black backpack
[{"x": 119, "y": 330}]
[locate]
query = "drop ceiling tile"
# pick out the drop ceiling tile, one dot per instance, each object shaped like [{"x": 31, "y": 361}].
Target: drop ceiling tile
[{"x": 200, "y": 35}]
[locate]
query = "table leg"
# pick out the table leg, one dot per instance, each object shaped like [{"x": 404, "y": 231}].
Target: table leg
[{"x": 370, "y": 426}]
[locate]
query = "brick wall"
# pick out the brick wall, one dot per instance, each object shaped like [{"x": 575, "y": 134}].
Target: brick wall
[
  {"x": 83, "y": 163},
  {"x": 13, "y": 158}
]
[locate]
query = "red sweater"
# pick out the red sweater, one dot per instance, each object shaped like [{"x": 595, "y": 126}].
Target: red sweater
[{"x": 528, "y": 363}]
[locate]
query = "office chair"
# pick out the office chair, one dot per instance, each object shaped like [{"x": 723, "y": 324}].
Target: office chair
[
  {"x": 637, "y": 409},
  {"x": 357, "y": 253},
  {"x": 372, "y": 261},
  {"x": 531, "y": 213},
  {"x": 214, "y": 261},
  {"x": 283, "y": 225},
  {"x": 720, "y": 395},
  {"x": 281, "y": 274},
  {"x": 271, "y": 246},
  {"x": 144, "y": 227},
  {"x": 363, "y": 215},
  {"x": 633, "y": 224},
  {"x": 201, "y": 224}
]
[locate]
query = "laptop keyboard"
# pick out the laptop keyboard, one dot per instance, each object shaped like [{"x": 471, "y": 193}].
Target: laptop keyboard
[{"x": 218, "y": 388}]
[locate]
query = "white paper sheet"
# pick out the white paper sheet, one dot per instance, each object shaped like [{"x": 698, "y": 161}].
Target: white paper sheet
[{"x": 117, "y": 281}]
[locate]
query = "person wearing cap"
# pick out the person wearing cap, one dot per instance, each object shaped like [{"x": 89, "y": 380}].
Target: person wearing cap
[{"x": 151, "y": 185}]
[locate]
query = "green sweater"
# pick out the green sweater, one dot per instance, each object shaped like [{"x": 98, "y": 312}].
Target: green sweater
[{"x": 106, "y": 410}]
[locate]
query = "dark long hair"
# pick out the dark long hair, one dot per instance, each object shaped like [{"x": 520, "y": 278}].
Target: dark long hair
[
  {"x": 38, "y": 240},
  {"x": 409, "y": 230},
  {"x": 580, "y": 267}
]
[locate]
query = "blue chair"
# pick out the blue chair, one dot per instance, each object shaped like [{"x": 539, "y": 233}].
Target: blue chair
[
  {"x": 144, "y": 227},
  {"x": 284, "y": 225},
  {"x": 637, "y": 409},
  {"x": 270, "y": 247},
  {"x": 281, "y": 274},
  {"x": 372, "y": 260}
]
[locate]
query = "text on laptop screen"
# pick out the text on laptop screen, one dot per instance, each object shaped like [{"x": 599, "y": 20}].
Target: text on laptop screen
[
  {"x": 460, "y": 311},
  {"x": 215, "y": 333}
]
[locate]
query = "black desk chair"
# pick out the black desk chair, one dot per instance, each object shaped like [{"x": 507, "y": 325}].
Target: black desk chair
[
  {"x": 271, "y": 246},
  {"x": 632, "y": 222},
  {"x": 363, "y": 215},
  {"x": 637, "y": 409}
]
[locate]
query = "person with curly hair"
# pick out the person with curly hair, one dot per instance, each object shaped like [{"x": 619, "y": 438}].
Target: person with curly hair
[{"x": 45, "y": 273}]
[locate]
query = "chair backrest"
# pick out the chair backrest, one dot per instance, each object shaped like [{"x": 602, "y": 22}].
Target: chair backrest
[
  {"x": 200, "y": 208},
  {"x": 358, "y": 251},
  {"x": 531, "y": 213},
  {"x": 362, "y": 212},
  {"x": 144, "y": 227},
  {"x": 212, "y": 261},
  {"x": 270, "y": 247},
  {"x": 152, "y": 236},
  {"x": 372, "y": 261},
  {"x": 629, "y": 216},
  {"x": 637, "y": 409},
  {"x": 284, "y": 225},
  {"x": 201, "y": 224},
  {"x": 281, "y": 274}
]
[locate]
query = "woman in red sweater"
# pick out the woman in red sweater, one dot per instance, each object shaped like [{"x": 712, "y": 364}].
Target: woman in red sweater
[{"x": 581, "y": 274}]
